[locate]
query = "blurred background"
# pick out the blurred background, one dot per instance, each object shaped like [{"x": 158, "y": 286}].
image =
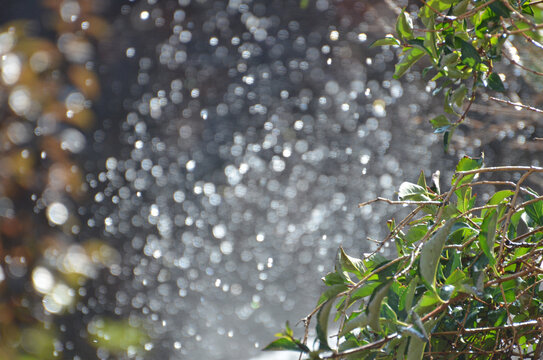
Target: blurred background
[{"x": 176, "y": 175}]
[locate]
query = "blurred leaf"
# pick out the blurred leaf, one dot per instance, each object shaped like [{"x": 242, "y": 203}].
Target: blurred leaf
[
  {"x": 495, "y": 83},
  {"x": 115, "y": 335},
  {"x": 360, "y": 321},
  {"x": 469, "y": 54},
  {"x": 500, "y": 9},
  {"x": 331, "y": 292}
]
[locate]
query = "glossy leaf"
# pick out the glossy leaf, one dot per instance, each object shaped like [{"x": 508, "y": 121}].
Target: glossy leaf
[
  {"x": 284, "y": 343},
  {"x": 495, "y": 83},
  {"x": 410, "y": 191},
  {"x": 431, "y": 253},
  {"x": 407, "y": 60},
  {"x": 469, "y": 56},
  {"x": 466, "y": 164},
  {"x": 404, "y": 26},
  {"x": 374, "y": 307},
  {"x": 388, "y": 41},
  {"x": 322, "y": 325},
  {"x": 535, "y": 211},
  {"x": 487, "y": 235}
]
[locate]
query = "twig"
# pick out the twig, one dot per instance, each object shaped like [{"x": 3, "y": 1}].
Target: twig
[
  {"x": 517, "y": 104},
  {"x": 474, "y": 10},
  {"x": 504, "y": 53},
  {"x": 512, "y": 210},
  {"x": 401, "y": 202},
  {"x": 490, "y": 328},
  {"x": 502, "y": 168},
  {"x": 372, "y": 345}
]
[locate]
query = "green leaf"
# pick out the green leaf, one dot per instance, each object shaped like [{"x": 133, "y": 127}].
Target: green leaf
[
  {"x": 406, "y": 301},
  {"x": 459, "y": 95},
  {"x": 461, "y": 7},
  {"x": 374, "y": 307},
  {"x": 495, "y": 83},
  {"x": 447, "y": 105},
  {"x": 304, "y": 4},
  {"x": 466, "y": 164},
  {"x": 334, "y": 278},
  {"x": 410, "y": 191},
  {"x": 496, "y": 199},
  {"x": 431, "y": 253},
  {"x": 116, "y": 335},
  {"x": 450, "y": 59},
  {"x": 331, "y": 292},
  {"x": 535, "y": 211},
  {"x": 447, "y": 139},
  {"x": 415, "y": 351},
  {"x": 350, "y": 264},
  {"x": 407, "y": 60},
  {"x": 469, "y": 54},
  {"x": 388, "y": 41},
  {"x": 440, "y": 122},
  {"x": 487, "y": 235},
  {"x": 456, "y": 277},
  {"x": 365, "y": 290},
  {"x": 284, "y": 343},
  {"x": 360, "y": 321},
  {"x": 500, "y": 9},
  {"x": 422, "y": 180},
  {"x": 322, "y": 325},
  {"x": 416, "y": 232},
  {"x": 404, "y": 26},
  {"x": 428, "y": 299}
]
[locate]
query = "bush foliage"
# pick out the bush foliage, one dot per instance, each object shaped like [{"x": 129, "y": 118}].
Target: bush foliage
[{"x": 467, "y": 279}]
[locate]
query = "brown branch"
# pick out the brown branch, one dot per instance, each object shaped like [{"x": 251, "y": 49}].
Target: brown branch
[
  {"x": 474, "y": 10},
  {"x": 504, "y": 53}
]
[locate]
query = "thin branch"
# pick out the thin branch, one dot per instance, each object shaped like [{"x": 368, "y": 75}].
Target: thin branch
[
  {"x": 504, "y": 53},
  {"x": 465, "y": 113},
  {"x": 434, "y": 10},
  {"x": 490, "y": 328},
  {"x": 501, "y": 168},
  {"x": 512, "y": 210},
  {"x": 474, "y": 10},
  {"x": 401, "y": 202},
  {"x": 373, "y": 345},
  {"x": 531, "y": 108}
]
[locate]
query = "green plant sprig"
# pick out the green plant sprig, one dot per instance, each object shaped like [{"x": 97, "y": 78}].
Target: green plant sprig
[
  {"x": 462, "y": 271},
  {"x": 462, "y": 40}
]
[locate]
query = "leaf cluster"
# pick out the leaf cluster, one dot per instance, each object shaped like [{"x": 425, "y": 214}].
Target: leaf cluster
[
  {"x": 462, "y": 39},
  {"x": 466, "y": 281}
]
